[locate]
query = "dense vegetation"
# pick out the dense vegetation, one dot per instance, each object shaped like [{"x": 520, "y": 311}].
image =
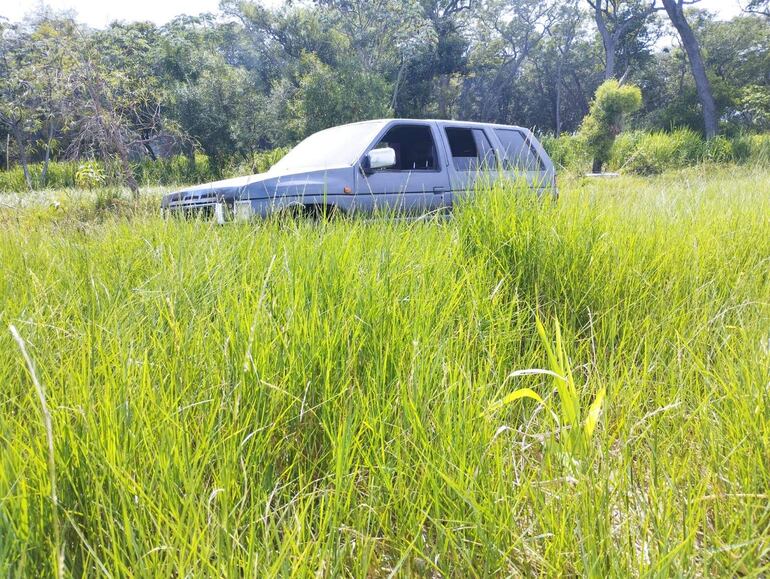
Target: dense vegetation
[
  {"x": 524, "y": 388},
  {"x": 249, "y": 79},
  {"x": 634, "y": 152},
  {"x": 348, "y": 397}
]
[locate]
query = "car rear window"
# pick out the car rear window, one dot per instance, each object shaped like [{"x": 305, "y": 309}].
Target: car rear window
[
  {"x": 471, "y": 149},
  {"x": 517, "y": 151}
]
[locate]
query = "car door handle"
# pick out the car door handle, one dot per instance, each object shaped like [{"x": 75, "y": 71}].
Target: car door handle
[{"x": 440, "y": 189}]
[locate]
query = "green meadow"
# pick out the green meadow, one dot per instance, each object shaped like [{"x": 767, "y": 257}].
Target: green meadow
[{"x": 525, "y": 388}]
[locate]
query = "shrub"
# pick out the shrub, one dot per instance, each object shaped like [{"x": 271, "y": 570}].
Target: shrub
[
  {"x": 89, "y": 175},
  {"x": 653, "y": 153},
  {"x": 719, "y": 150},
  {"x": 258, "y": 162},
  {"x": 752, "y": 149},
  {"x": 566, "y": 151},
  {"x": 643, "y": 153},
  {"x": 604, "y": 122},
  {"x": 12, "y": 180}
]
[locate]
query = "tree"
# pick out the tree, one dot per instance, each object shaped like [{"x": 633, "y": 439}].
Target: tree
[
  {"x": 761, "y": 7},
  {"x": 618, "y": 20},
  {"x": 101, "y": 121},
  {"x": 508, "y": 35},
  {"x": 449, "y": 56},
  {"x": 612, "y": 103},
  {"x": 675, "y": 11},
  {"x": 328, "y": 97},
  {"x": 385, "y": 36},
  {"x": 562, "y": 35},
  {"x": 50, "y": 39},
  {"x": 17, "y": 106}
]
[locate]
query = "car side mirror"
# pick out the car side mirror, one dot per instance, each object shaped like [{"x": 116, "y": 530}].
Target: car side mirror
[{"x": 379, "y": 159}]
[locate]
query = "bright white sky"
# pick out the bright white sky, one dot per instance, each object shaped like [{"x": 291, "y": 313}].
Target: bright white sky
[{"x": 99, "y": 13}]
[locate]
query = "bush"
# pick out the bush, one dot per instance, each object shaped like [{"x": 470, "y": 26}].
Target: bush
[
  {"x": 90, "y": 175},
  {"x": 719, "y": 150},
  {"x": 259, "y": 162},
  {"x": 652, "y": 153},
  {"x": 752, "y": 149},
  {"x": 612, "y": 103},
  {"x": 643, "y": 153},
  {"x": 175, "y": 170},
  {"x": 567, "y": 151},
  {"x": 60, "y": 174}
]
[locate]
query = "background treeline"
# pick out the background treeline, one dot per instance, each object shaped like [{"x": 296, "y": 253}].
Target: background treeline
[{"x": 204, "y": 96}]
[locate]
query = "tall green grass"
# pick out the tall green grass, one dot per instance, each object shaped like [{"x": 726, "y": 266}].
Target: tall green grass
[
  {"x": 176, "y": 170},
  {"x": 652, "y": 153},
  {"x": 335, "y": 398}
]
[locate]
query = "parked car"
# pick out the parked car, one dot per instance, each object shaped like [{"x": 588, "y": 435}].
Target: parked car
[{"x": 411, "y": 167}]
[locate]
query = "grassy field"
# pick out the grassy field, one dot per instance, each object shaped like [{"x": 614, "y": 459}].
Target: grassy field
[{"x": 361, "y": 398}]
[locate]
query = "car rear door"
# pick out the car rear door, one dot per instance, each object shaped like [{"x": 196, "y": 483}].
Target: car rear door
[
  {"x": 418, "y": 181},
  {"x": 472, "y": 158}
]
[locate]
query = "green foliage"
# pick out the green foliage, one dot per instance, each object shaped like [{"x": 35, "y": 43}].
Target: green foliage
[
  {"x": 754, "y": 105},
  {"x": 176, "y": 170},
  {"x": 327, "y": 97},
  {"x": 259, "y": 162},
  {"x": 261, "y": 78},
  {"x": 719, "y": 150},
  {"x": 60, "y": 174},
  {"x": 752, "y": 149},
  {"x": 567, "y": 151},
  {"x": 89, "y": 175},
  {"x": 611, "y": 104},
  {"x": 652, "y": 153},
  {"x": 645, "y": 153}
]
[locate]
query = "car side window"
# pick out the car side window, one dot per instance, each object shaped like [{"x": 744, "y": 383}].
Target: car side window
[
  {"x": 414, "y": 146},
  {"x": 471, "y": 149},
  {"x": 517, "y": 151}
]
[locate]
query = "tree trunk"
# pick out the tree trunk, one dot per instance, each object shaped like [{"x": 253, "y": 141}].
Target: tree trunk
[
  {"x": 44, "y": 174},
  {"x": 608, "y": 40},
  {"x": 397, "y": 88},
  {"x": 597, "y": 166},
  {"x": 442, "y": 96},
  {"x": 559, "y": 79},
  {"x": 558, "y": 109},
  {"x": 18, "y": 134},
  {"x": 609, "y": 68},
  {"x": 675, "y": 11}
]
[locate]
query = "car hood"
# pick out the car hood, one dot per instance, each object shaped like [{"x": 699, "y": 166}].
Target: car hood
[
  {"x": 262, "y": 186},
  {"x": 225, "y": 190}
]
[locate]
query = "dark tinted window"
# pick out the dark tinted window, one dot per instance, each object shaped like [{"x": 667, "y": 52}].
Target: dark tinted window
[
  {"x": 414, "y": 147},
  {"x": 517, "y": 151},
  {"x": 471, "y": 149}
]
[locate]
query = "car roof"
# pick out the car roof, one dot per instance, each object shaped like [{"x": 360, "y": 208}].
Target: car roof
[{"x": 446, "y": 121}]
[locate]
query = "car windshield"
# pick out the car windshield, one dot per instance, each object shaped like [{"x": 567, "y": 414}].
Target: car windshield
[{"x": 335, "y": 147}]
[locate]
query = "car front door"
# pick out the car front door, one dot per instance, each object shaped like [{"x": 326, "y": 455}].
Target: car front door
[{"x": 418, "y": 181}]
